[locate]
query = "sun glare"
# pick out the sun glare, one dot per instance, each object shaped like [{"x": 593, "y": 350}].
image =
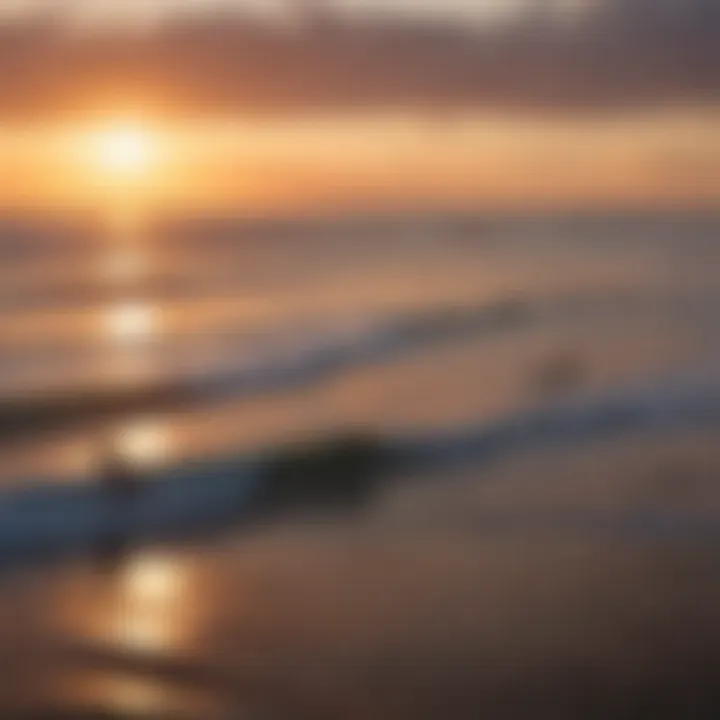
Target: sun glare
[{"x": 124, "y": 149}]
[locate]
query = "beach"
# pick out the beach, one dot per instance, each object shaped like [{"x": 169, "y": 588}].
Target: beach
[{"x": 543, "y": 547}]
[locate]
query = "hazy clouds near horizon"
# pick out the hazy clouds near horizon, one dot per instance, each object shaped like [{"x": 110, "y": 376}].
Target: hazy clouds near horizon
[
  {"x": 140, "y": 11},
  {"x": 623, "y": 52}
]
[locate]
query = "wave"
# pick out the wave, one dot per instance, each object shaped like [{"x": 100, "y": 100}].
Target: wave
[
  {"x": 309, "y": 359},
  {"x": 52, "y": 520},
  {"x": 282, "y": 361},
  {"x": 679, "y": 402}
]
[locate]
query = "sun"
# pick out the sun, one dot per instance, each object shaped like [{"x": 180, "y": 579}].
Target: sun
[{"x": 124, "y": 149}]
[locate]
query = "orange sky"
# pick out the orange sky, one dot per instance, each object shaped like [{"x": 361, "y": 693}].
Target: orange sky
[{"x": 380, "y": 161}]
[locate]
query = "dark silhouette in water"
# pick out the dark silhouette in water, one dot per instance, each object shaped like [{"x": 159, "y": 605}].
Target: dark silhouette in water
[
  {"x": 560, "y": 373},
  {"x": 120, "y": 485},
  {"x": 342, "y": 472},
  {"x": 119, "y": 479}
]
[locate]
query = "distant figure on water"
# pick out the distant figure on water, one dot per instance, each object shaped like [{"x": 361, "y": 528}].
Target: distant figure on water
[
  {"x": 119, "y": 483},
  {"x": 561, "y": 372},
  {"x": 118, "y": 478}
]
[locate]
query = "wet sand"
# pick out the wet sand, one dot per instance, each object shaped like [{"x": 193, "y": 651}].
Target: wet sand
[{"x": 565, "y": 584}]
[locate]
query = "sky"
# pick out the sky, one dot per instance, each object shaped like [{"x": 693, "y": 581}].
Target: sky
[
  {"x": 143, "y": 10},
  {"x": 618, "y": 107},
  {"x": 618, "y": 53},
  {"x": 369, "y": 161}
]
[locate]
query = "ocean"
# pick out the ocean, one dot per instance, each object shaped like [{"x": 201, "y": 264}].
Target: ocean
[
  {"x": 206, "y": 337},
  {"x": 544, "y": 388}
]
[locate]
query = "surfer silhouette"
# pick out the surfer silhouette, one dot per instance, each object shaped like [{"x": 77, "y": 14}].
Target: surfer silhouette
[
  {"x": 119, "y": 484},
  {"x": 118, "y": 478}
]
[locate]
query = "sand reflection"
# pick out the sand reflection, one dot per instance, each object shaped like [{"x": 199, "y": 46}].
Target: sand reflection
[
  {"x": 147, "y": 607},
  {"x": 150, "y": 613},
  {"x": 144, "y": 605}
]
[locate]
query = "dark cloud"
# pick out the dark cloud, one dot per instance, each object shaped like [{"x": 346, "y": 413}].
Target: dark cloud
[{"x": 627, "y": 52}]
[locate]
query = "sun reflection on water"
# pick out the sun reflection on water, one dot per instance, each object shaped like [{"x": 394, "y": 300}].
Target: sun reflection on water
[
  {"x": 124, "y": 265},
  {"x": 130, "y": 322},
  {"x": 147, "y": 606},
  {"x": 150, "y": 617},
  {"x": 134, "y": 696},
  {"x": 145, "y": 443}
]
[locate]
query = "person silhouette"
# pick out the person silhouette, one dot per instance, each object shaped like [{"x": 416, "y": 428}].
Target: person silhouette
[
  {"x": 118, "y": 478},
  {"x": 119, "y": 484}
]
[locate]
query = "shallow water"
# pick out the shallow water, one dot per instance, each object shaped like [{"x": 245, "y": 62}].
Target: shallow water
[{"x": 261, "y": 335}]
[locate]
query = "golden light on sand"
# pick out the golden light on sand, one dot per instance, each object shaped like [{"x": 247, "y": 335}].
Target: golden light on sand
[
  {"x": 153, "y": 579},
  {"x": 151, "y": 613}
]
